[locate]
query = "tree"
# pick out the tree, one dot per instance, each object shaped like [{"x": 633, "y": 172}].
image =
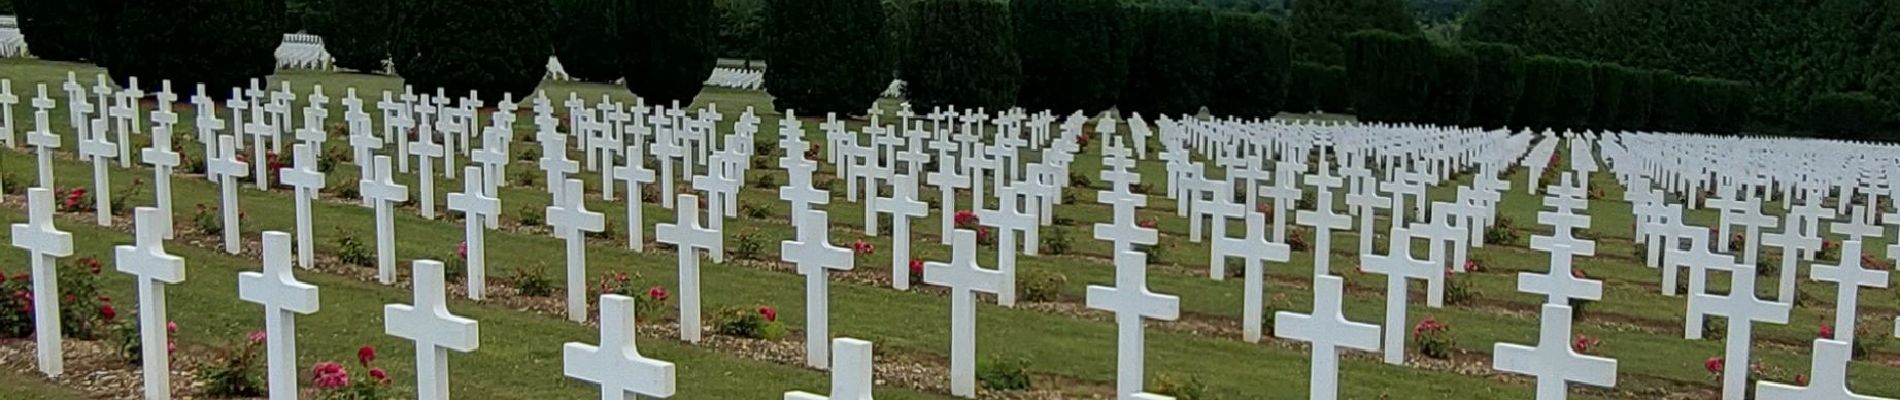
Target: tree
[
  {"x": 588, "y": 40},
  {"x": 1638, "y": 97},
  {"x": 1575, "y": 94},
  {"x": 741, "y": 28},
  {"x": 1848, "y": 116},
  {"x": 360, "y": 33},
  {"x": 825, "y": 56},
  {"x": 1074, "y": 53},
  {"x": 58, "y": 30},
  {"x": 1319, "y": 27},
  {"x": 670, "y": 49},
  {"x": 1453, "y": 85},
  {"x": 1255, "y": 58},
  {"x": 222, "y": 44},
  {"x": 491, "y": 47},
  {"x": 1317, "y": 87},
  {"x": 1542, "y": 76},
  {"x": 1606, "y": 107},
  {"x": 962, "y": 53},
  {"x": 1497, "y": 85},
  {"x": 1171, "y": 64},
  {"x": 1388, "y": 75}
]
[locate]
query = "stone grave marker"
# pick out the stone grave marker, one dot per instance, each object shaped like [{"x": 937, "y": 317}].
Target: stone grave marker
[
  {"x": 616, "y": 364},
  {"x": 308, "y": 182},
  {"x": 227, "y": 167},
  {"x": 690, "y": 238},
  {"x": 1327, "y": 330},
  {"x": 812, "y": 255},
  {"x": 475, "y": 205},
  {"x": 569, "y": 216},
  {"x": 964, "y": 278},
  {"x": 428, "y": 323},
  {"x": 851, "y": 380},
  {"x": 283, "y": 297},
  {"x": 382, "y": 190},
  {"x": 154, "y": 269},
  {"x": 45, "y": 245}
]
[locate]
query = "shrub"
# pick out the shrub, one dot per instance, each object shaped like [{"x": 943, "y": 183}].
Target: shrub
[
  {"x": 532, "y": 282},
  {"x": 1497, "y": 83},
  {"x": 1453, "y": 86},
  {"x": 823, "y": 56},
  {"x": 1542, "y": 77},
  {"x": 1458, "y": 290},
  {"x": 1041, "y": 285},
  {"x": 588, "y": 37},
  {"x": 1850, "y": 116},
  {"x": 220, "y": 43},
  {"x": 1638, "y": 97},
  {"x": 531, "y": 215},
  {"x": 1316, "y": 87},
  {"x": 361, "y": 33},
  {"x": 961, "y": 53},
  {"x": 491, "y": 47},
  {"x": 332, "y": 381},
  {"x": 1180, "y": 387},
  {"x": 1171, "y": 62},
  {"x": 746, "y": 245},
  {"x": 1319, "y": 27},
  {"x": 759, "y": 323},
  {"x": 207, "y": 221},
  {"x": 235, "y": 370},
  {"x": 1432, "y": 338},
  {"x": 1004, "y": 373},
  {"x": 353, "y": 251},
  {"x": 1057, "y": 242},
  {"x": 1074, "y": 54},
  {"x": 1388, "y": 75},
  {"x": 742, "y": 27},
  {"x": 670, "y": 49},
  {"x": 58, "y": 30},
  {"x": 1254, "y": 63},
  {"x": 1611, "y": 81}
]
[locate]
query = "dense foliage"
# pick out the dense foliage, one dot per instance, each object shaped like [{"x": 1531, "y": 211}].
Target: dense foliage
[
  {"x": 1316, "y": 87},
  {"x": 741, "y": 28},
  {"x": 1497, "y": 83},
  {"x": 1254, "y": 60},
  {"x": 962, "y": 53},
  {"x": 1171, "y": 62},
  {"x": 220, "y": 43},
  {"x": 488, "y": 46},
  {"x": 1453, "y": 86},
  {"x": 360, "y": 33},
  {"x": 1389, "y": 76},
  {"x": 669, "y": 49},
  {"x": 1074, "y": 53},
  {"x": 587, "y": 40},
  {"x": 59, "y": 30},
  {"x": 1320, "y": 27},
  {"x": 1848, "y": 116},
  {"x": 822, "y": 56}
]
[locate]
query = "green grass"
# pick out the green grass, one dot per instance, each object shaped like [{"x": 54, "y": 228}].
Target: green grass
[{"x": 519, "y": 357}]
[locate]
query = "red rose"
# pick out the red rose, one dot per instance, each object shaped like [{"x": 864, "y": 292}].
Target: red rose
[
  {"x": 657, "y": 293},
  {"x": 770, "y": 314},
  {"x": 1714, "y": 364},
  {"x": 366, "y": 355},
  {"x": 107, "y": 313},
  {"x": 916, "y": 266},
  {"x": 379, "y": 375},
  {"x": 1827, "y": 332}
]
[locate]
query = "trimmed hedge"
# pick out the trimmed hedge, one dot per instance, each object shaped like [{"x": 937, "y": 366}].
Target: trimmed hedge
[
  {"x": 220, "y": 43},
  {"x": 1498, "y": 83},
  {"x": 1171, "y": 65},
  {"x": 1541, "y": 78},
  {"x": 488, "y": 46},
  {"x": 1848, "y": 116},
  {"x": 1452, "y": 86},
  {"x": 670, "y": 49},
  {"x": 1672, "y": 103},
  {"x": 1320, "y": 27},
  {"x": 1315, "y": 87},
  {"x": 1255, "y": 59},
  {"x": 1573, "y": 96},
  {"x": 1074, "y": 53},
  {"x": 587, "y": 38},
  {"x": 360, "y": 33},
  {"x": 741, "y": 29},
  {"x": 58, "y": 30},
  {"x": 1606, "y": 107},
  {"x": 824, "y": 56},
  {"x": 1639, "y": 94},
  {"x": 1389, "y": 75},
  {"x": 962, "y": 53}
]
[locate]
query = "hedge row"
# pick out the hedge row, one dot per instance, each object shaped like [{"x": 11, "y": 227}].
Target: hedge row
[
  {"x": 1074, "y": 53},
  {"x": 820, "y": 58},
  {"x": 962, "y": 53},
  {"x": 359, "y": 33},
  {"x": 668, "y": 49},
  {"x": 220, "y": 43},
  {"x": 586, "y": 33},
  {"x": 1397, "y": 78}
]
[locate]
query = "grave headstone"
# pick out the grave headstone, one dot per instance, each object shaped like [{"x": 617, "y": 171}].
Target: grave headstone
[
  {"x": 1399, "y": 268},
  {"x": 812, "y": 255},
  {"x": 475, "y": 206},
  {"x": 382, "y": 190},
  {"x": 1743, "y": 309},
  {"x": 153, "y": 269},
  {"x": 1327, "y": 330},
  {"x": 1553, "y": 361},
  {"x": 45, "y": 245},
  {"x": 1850, "y": 275},
  {"x": 426, "y": 151},
  {"x": 903, "y": 205},
  {"x": 570, "y": 216},
  {"x": 964, "y": 278},
  {"x": 616, "y": 364},
  {"x": 227, "y": 167},
  {"x": 100, "y": 149},
  {"x": 42, "y": 138},
  {"x": 851, "y": 380},
  {"x": 690, "y": 238},
  {"x": 428, "y": 323},
  {"x": 283, "y": 297},
  {"x": 309, "y": 182}
]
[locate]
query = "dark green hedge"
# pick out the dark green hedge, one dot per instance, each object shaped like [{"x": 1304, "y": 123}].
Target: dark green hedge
[
  {"x": 1074, "y": 53},
  {"x": 1171, "y": 65},
  {"x": 587, "y": 38},
  {"x": 1452, "y": 86},
  {"x": 1639, "y": 94},
  {"x": 1606, "y": 107},
  {"x": 741, "y": 29},
  {"x": 1542, "y": 76},
  {"x": 1254, "y": 61},
  {"x": 1573, "y": 97},
  {"x": 669, "y": 49},
  {"x": 1319, "y": 27},
  {"x": 1498, "y": 84},
  {"x": 1672, "y": 103},
  {"x": 824, "y": 55},
  {"x": 1851, "y": 116},
  {"x": 360, "y": 32},
  {"x": 220, "y": 43},
  {"x": 58, "y": 30},
  {"x": 489, "y": 46},
  {"x": 1316, "y": 87},
  {"x": 962, "y": 53},
  {"x": 1389, "y": 75}
]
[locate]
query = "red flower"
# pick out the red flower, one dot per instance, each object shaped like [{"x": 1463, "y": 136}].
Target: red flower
[
  {"x": 657, "y": 293},
  {"x": 258, "y": 336},
  {"x": 863, "y": 248},
  {"x": 3, "y": 277},
  {"x": 967, "y": 219},
  {"x": 461, "y": 250},
  {"x": 1578, "y": 273},
  {"x": 1472, "y": 266},
  {"x": 1429, "y": 325},
  {"x": 1714, "y": 364},
  {"x": 1584, "y": 344},
  {"x": 107, "y": 313},
  {"x": 1146, "y": 224},
  {"x": 916, "y": 267},
  {"x": 171, "y": 327},
  {"x": 1801, "y": 379},
  {"x": 379, "y": 375},
  {"x": 1827, "y": 332},
  {"x": 329, "y": 375},
  {"x": 770, "y": 314},
  {"x": 366, "y": 355},
  {"x": 92, "y": 264}
]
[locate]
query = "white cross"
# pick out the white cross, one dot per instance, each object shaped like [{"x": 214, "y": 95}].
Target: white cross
[
  {"x": 42, "y": 138},
  {"x": 798, "y": 189},
  {"x": 1858, "y": 226},
  {"x": 1742, "y": 309},
  {"x": 426, "y": 150},
  {"x": 162, "y": 159},
  {"x": 154, "y": 269},
  {"x": 283, "y": 297},
  {"x": 852, "y": 379},
  {"x": 1792, "y": 243},
  {"x": 1851, "y": 276},
  {"x": 475, "y": 205},
  {"x": 616, "y": 365},
  {"x": 635, "y": 173},
  {"x": 1399, "y": 267},
  {"x": 666, "y": 151},
  {"x": 1131, "y": 301},
  {"x": 258, "y": 130},
  {"x": 1365, "y": 203},
  {"x": 308, "y": 182},
  {"x": 813, "y": 255},
  {"x": 570, "y": 217},
  {"x": 690, "y": 238},
  {"x": 964, "y": 278},
  {"x": 100, "y": 148},
  {"x": 381, "y": 188},
  {"x": 902, "y": 205},
  {"x": 1828, "y": 379},
  {"x": 720, "y": 189},
  {"x": 948, "y": 178},
  {"x": 1327, "y": 330},
  {"x": 1008, "y": 218},
  {"x": 228, "y": 168},
  {"x": 124, "y": 112},
  {"x": 45, "y": 244},
  {"x": 1323, "y": 218},
  {"x": 7, "y": 100},
  {"x": 1253, "y": 249},
  {"x": 1553, "y": 361},
  {"x": 428, "y": 323}
]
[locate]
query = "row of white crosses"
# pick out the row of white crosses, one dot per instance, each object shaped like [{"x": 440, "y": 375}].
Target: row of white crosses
[{"x": 1552, "y": 360}]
